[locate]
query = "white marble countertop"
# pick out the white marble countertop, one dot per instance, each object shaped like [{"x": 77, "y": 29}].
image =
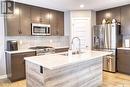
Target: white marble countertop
[
  {"x": 123, "y": 48},
  {"x": 54, "y": 61},
  {"x": 28, "y": 50},
  {"x": 19, "y": 51}
]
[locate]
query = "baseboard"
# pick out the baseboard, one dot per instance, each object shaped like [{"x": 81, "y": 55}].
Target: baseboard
[{"x": 3, "y": 76}]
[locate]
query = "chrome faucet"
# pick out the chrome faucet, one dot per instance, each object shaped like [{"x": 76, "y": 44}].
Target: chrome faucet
[{"x": 72, "y": 43}]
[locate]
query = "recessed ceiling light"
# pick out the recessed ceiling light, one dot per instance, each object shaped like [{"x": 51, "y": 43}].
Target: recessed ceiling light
[{"x": 81, "y": 6}]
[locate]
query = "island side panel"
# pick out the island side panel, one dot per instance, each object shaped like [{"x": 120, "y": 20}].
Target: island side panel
[
  {"x": 34, "y": 77},
  {"x": 83, "y": 74}
]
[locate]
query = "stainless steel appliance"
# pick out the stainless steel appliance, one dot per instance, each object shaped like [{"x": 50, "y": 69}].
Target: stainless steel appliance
[
  {"x": 107, "y": 38},
  {"x": 12, "y": 45},
  {"x": 43, "y": 50},
  {"x": 41, "y": 29}
]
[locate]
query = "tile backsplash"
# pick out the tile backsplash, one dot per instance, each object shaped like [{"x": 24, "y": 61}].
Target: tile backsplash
[{"x": 24, "y": 42}]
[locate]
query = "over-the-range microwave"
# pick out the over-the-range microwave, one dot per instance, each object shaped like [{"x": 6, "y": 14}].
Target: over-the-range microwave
[{"x": 40, "y": 29}]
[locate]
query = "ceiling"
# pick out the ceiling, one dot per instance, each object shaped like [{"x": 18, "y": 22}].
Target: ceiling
[{"x": 65, "y": 5}]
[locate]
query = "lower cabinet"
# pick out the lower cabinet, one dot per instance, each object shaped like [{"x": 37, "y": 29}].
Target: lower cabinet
[
  {"x": 15, "y": 65},
  {"x": 123, "y": 61}
]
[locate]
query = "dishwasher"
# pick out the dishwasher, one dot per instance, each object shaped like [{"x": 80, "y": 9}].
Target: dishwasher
[{"x": 109, "y": 62}]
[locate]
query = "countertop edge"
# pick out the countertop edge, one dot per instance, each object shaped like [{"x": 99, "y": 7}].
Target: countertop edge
[
  {"x": 19, "y": 51},
  {"x": 123, "y": 48}
]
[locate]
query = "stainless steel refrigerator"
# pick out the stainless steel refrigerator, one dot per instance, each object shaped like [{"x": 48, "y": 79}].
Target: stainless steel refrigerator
[{"x": 107, "y": 38}]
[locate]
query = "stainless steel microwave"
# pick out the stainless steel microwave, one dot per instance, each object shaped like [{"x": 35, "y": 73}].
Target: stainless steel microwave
[{"x": 41, "y": 29}]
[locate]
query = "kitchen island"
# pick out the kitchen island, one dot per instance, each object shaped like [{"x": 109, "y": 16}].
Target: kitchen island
[{"x": 60, "y": 70}]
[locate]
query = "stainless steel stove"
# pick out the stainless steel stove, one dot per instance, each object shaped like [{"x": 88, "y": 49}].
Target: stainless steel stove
[{"x": 43, "y": 50}]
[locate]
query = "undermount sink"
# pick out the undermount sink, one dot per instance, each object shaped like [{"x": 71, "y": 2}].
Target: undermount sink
[{"x": 74, "y": 53}]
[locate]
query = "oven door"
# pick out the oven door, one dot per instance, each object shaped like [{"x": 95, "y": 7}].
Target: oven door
[{"x": 41, "y": 29}]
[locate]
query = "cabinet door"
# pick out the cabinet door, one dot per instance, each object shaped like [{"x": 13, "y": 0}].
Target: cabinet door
[
  {"x": 12, "y": 22},
  {"x": 18, "y": 65},
  {"x": 53, "y": 23},
  {"x": 36, "y": 15},
  {"x": 25, "y": 19},
  {"x": 60, "y": 23},
  {"x": 115, "y": 14},
  {"x": 100, "y": 15},
  {"x": 123, "y": 63},
  {"x": 125, "y": 20},
  {"x": 45, "y": 16}
]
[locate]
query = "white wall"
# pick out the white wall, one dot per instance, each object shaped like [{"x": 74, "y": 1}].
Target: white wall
[
  {"x": 93, "y": 18},
  {"x": 2, "y": 57},
  {"x": 93, "y": 22},
  {"x": 67, "y": 23}
]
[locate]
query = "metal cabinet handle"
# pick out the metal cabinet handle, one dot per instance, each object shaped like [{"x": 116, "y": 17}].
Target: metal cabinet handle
[{"x": 19, "y": 31}]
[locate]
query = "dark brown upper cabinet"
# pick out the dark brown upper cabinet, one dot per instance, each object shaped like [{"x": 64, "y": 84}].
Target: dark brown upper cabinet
[
  {"x": 57, "y": 23},
  {"x": 113, "y": 13},
  {"x": 54, "y": 22},
  {"x": 60, "y": 23},
  {"x": 25, "y": 19},
  {"x": 19, "y": 23},
  {"x": 45, "y": 16},
  {"x": 36, "y": 15},
  {"x": 12, "y": 22},
  {"x": 100, "y": 15},
  {"x": 121, "y": 14},
  {"x": 125, "y": 20},
  {"x": 40, "y": 15}
]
